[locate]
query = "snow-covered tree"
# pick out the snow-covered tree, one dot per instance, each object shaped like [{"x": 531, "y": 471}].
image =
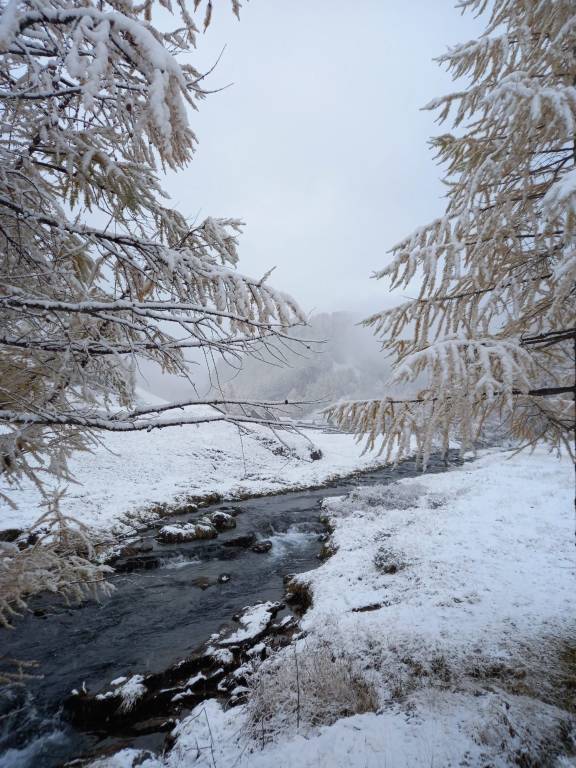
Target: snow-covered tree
[
  {"x": 491, "y": 332},
  {"x": 97, "y": 271}
]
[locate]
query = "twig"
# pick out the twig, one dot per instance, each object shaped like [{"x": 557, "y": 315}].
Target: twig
[{"x": 297, "y": 691}]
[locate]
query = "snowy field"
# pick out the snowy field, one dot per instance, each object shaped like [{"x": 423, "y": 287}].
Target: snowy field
[
  {"x": 132, "y": 472},
  {"x": 441, "y": 634}
]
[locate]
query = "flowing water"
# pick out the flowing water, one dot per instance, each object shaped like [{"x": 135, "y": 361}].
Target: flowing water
[{"x": 154, "y": 618}]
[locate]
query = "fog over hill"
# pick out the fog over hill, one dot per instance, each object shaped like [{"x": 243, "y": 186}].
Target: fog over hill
[{"x": 347, "y": 364}]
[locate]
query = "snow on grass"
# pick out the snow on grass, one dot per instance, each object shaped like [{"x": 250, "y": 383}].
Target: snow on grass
[
  {"x": 452, "y": 598},
  {"x": 127, "y": 473},
  {"x": 455, "y": 730},
  {"x": 485, "y": 556},
  {"x": 129, "y": 690}
]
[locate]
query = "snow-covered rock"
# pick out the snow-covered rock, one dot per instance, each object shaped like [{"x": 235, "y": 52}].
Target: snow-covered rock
[
  {"x": 179, "y": 533},
  {"x": 254, "y": 620},
  {"x": 222, "y": 521}
]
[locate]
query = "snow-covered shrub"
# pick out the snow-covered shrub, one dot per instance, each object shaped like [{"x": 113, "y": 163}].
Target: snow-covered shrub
[
  {"x": 369, "y": 498},
  {"x": 130, "y": 692},
  {"x": 127, "y": 690},
  {"x": 307, "y": 685},
  {"x": 388, "y": 561}
]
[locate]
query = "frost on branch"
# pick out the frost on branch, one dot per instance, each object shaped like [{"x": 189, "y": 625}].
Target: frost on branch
[
  {"x": 97, "y": 271},
  {"x": 60, "y": 559},
  {"x": 492, "y": 328}
]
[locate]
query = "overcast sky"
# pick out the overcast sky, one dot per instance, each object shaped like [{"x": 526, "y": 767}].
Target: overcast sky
[{"x": 320, "y": 145}]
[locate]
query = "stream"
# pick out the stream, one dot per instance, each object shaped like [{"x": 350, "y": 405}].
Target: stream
[{"x": 155, "y": 617}]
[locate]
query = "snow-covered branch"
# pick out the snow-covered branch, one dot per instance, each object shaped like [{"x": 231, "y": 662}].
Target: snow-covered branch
[
  {"x": 490, "y": 327},
  {"x": 97, "y": 271}
]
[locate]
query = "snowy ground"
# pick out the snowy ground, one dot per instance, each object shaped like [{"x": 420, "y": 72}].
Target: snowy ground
[
  {"x": 128, "y": 473},
  {"x": 442, "y": 633}
]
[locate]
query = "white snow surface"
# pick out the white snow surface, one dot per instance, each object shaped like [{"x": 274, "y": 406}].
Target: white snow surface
[
  {"x": 132, "y": 472},
  {"x": 253, "y": 621},
  {"x": 561, "y": 193},
  {"x": 488, "y": 551},
  {"x": 469, "y": 576}
]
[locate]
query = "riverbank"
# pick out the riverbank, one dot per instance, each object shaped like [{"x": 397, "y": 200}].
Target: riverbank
[
  {"x": 440, "y": 632},
  {"x": 131, "y": 480},
  {"x": 157, "y": 618}
]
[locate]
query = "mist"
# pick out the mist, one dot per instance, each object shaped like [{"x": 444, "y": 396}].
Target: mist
[
  {"x": 318, "y": 142},
  {"x": 341, "y": 362}
]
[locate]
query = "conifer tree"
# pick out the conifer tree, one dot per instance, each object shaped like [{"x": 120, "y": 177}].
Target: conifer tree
[
  {"x": 491, "y": 330},
  {"x": 97, "y": 271}
]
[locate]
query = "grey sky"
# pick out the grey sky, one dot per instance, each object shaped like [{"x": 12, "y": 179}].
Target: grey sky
[{"x": 320, "y": 145}]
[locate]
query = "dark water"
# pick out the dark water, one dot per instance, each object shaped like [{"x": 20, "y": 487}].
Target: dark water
[{"x": 154, "y": 618}]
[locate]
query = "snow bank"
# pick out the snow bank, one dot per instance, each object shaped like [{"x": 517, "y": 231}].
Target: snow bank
[{"x": 486, "y": 551}]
